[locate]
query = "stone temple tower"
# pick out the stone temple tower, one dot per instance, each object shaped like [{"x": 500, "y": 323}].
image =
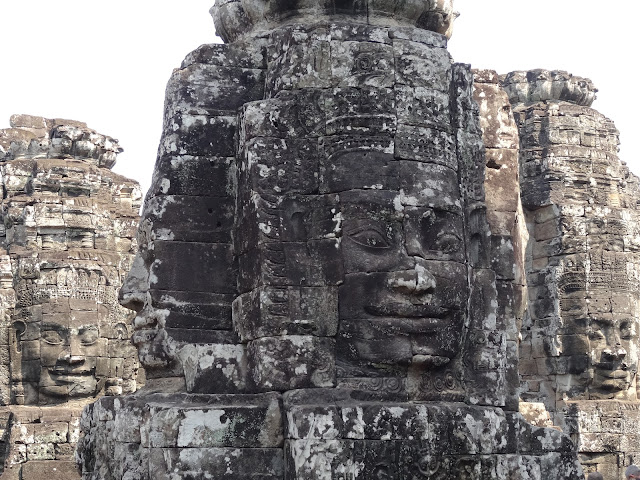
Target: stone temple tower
[
  {"x": 67, "y": 239},
  {"x": 580, "y": 338},
  {"x": 314, "y": 288}
]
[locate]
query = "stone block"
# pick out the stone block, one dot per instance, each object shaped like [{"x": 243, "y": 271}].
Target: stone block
[
  {"x": 362, "y": 63},
  {"x": 190, "y": 219},
  {"x": 214, "y": 368},
  {"x": 194, "y": 310},
  {"x": 238, "y": 421},
  {"x": 273, "y": 166},
  {"x": 50, "y": 432},
  {"x": 269, "y": 311},
  {"x": 192, "y": 266},
  {"x": 227, "y": 463},
  {"x": 198, "y": 135},
  {"x": 192, "y": 175},
  {"x": 425, "y": 144},
  {"x": 423, "y": 107},
  {"x": 51, "y": 470},
  {"x": 292, "y": 115},
  {"x": 290, "y": 362},
  {"x": 420, "y": 65},
  {"x": 311, "y": 264},
  {"x": 360, "y": 111},
  {"x": 299, "y": 60},
  {"x": 40, "y": 451},
  {"x": 237, "y": 55},
  {"x": 206, "y": 88}
]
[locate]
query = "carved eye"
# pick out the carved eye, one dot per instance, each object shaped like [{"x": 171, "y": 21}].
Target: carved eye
[
  {"x": 626, "y": 332},
  {"x": 88, "y": 336},
  {"x": 448, "y": 243},
  {"x": 52, "y": 337},
  {"x": 596, "y": 333},
  {"x": 368, "y": 237}
]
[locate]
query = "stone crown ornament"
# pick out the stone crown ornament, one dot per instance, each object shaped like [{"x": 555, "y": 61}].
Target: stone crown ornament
[{"x": 234, "y": 19}]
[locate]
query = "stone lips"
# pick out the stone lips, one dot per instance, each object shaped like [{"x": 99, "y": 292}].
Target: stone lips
[{"x": 235, "y": 19}]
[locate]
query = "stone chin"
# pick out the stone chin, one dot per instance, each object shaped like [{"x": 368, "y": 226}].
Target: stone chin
[
  {"x": 155, "y": 349},
  {"x": 606, "y": 383}
]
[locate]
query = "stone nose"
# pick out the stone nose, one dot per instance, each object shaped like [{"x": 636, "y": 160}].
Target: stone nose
[
  {"x": 616, "y": 352},
  {"x": 133, "y": 292},
  {"x": 412, "y": 282}
]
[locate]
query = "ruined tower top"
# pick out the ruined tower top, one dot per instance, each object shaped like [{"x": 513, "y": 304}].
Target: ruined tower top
[
  {"x": 38, "y": 137},
  {"x": 548, "y": 85},
  {"x": 236, "y": 18}
]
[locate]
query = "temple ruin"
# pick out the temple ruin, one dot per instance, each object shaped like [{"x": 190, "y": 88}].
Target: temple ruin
[
  {"x": 68, "y": 239},
  {"x": 358, "y": 259},
  {"x": 332, "y": 276}
]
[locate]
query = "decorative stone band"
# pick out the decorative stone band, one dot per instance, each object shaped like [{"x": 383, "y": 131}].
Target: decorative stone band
[
  {"x": 234, "y": 19},
  {"x": 548, "y": 85}
]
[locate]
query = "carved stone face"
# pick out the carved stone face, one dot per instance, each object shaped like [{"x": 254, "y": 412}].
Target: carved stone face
[
  {"x": 600, "y": 314},
  {"x": 66, "y": 328},
  {"x": 69, "y": 349},
  {"x": 405, "y": 288},
  {"x": 613, "y": 354},
  {"x": 149, "y": 336}
]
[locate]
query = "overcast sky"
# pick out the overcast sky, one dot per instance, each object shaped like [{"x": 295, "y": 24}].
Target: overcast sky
[{"x": 107, "y": 63}]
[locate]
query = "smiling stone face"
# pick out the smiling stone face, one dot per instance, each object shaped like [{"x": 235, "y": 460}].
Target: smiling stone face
[
  {"x": 613, "y": 354},
  {"x": 69, "y": 351},
  {"x": 405, "y": 287},
  {"x": 69, "y": 344}
]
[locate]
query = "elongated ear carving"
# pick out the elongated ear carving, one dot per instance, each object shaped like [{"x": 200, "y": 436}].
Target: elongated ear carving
[
  {"x": 20, "y": 327},
  {"x": 121, "y": 330}
]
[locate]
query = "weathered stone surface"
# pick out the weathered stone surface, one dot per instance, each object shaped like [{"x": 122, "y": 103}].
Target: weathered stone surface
[
  {"x": 67, "y": 238},
  {"x": 338, "y": 258},
  {"x": 579, "y": 346}
]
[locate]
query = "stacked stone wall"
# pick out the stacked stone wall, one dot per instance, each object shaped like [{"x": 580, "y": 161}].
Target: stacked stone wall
[
  {"x": 579, "y": 348},
  {"x": 67, "y": 237}
]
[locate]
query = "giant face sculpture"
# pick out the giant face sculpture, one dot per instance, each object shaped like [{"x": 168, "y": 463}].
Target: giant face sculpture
[
  {"x": 613, "y": 354},
  {"x": 64, "y": 330},
  {"x": 599, "y": 307},
  {"x": 69, "y": 351},
  {"x": 346, "y": 253},
  {"x": 405, "y": 286}
]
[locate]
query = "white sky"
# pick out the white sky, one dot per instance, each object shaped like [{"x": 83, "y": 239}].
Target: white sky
[{"x": 107, "y": 63}]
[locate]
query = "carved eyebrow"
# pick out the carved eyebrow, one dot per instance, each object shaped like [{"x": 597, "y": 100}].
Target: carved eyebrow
[
  {"x": 54, "y": 326},
  {"x": 603, "y": 321},
  {"x": 84, "y": 328}
]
